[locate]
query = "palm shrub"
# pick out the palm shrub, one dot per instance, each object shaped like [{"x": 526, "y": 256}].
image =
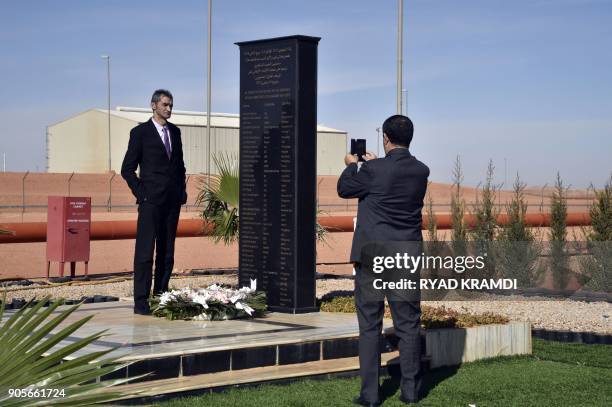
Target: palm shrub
[
  {"x": 321, "y": 231},
  {"x": 517, "y": 250},
  {"x": 220, "y": 198},
  {"x": 559, "y": 259},
  {"x": 597, "y": 266},
  {"x": 31, "y": 360}
]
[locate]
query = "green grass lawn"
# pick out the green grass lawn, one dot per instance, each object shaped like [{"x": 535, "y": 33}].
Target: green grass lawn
[{"x": 556, "y": 374}]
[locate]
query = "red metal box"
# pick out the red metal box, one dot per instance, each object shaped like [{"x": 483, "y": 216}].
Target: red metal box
[{"x": 68, "y": 228}]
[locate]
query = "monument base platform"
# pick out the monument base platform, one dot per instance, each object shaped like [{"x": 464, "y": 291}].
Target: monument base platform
[
  {"x": 177, "y": 349},
  {"x": 187, "y": 357},
  {"x": 289, "y": 310}
]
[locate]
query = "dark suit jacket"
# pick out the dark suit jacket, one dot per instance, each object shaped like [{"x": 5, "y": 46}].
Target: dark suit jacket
[
  {"x": 161, "y": 180},
  {"x": 390, "y": 192}
]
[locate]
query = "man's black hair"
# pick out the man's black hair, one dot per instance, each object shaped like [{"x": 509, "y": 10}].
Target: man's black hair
[
  {"x": 399, "y": 130},
  {"x": 157, "y": 95}
]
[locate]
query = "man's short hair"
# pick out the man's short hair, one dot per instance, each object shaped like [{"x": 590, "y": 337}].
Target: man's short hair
[
  {"x": 159, "y": 93},
  {"x": 399, "y": 130}
]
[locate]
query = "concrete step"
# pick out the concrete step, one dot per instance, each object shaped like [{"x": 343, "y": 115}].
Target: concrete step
[{"x": 150, "y": 390}]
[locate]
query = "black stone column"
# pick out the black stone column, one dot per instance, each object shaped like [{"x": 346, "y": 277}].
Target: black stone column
[{"x": 278, "y": 144}]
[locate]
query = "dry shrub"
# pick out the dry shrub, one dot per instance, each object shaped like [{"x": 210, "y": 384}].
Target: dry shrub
[{"x": 431, "y": 317}]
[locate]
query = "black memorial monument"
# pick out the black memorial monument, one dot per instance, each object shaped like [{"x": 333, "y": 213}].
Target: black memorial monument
[{"x": 278, "y": 133}]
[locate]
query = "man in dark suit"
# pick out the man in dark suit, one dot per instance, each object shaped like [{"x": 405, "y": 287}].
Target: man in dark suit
[
  {"x": 155, "y": 146},
  {"x": 390, "y": 192}
]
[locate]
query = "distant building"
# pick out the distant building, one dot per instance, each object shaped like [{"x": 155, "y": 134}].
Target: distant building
[{"x": 80, "y": 143}]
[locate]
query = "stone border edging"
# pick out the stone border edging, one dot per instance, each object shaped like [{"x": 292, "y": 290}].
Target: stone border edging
[
  {"x": 17, "y": 303},
  {"x": 586, "y": 338}
]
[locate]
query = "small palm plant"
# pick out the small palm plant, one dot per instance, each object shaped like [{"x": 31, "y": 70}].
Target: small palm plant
[
  {"x": 220, "y": 198},
  {"x": 321, "y": 231},
  {"x": 32, "y": 365}
]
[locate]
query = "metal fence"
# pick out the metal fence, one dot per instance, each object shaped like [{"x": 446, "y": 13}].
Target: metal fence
[{"x": 27, "y": 192}]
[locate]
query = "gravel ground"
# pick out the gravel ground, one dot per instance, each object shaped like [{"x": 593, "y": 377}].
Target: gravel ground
[
  {"x": 118, "y": 287},
  {"x": 542, "y": 313},
  {"x": 578, "y": 316}
]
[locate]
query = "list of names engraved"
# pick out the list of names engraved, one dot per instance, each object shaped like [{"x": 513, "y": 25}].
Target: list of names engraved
[{"x": 267, "y": 169}]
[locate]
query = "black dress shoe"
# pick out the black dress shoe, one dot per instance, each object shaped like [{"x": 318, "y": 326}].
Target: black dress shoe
[
  {"x": 361, "y": 402},
  {"x": 142, "y": 311},
  {"x": 407, "y": 400}
]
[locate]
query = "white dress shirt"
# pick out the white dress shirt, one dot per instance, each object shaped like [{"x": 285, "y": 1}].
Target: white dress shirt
[{"x": 159, "y": 128}]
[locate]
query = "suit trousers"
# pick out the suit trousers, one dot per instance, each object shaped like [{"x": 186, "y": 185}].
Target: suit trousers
[
  {"x": 406, "y": 321},
  {"x": 156, "y": 231}
]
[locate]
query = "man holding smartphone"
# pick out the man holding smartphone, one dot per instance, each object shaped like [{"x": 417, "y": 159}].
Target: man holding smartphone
[{"x": 391, "y": 192}]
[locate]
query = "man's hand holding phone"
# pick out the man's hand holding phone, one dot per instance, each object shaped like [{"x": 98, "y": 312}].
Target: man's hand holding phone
[
  {"x": 351, "y": 159},
  {"x": 369, "y": 156}
]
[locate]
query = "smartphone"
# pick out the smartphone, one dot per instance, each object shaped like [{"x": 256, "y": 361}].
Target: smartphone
[{"x": 358, "y": 146}]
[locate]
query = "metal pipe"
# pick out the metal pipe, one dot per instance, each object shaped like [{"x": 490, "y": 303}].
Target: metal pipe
[{"x": 32, "y": 232}]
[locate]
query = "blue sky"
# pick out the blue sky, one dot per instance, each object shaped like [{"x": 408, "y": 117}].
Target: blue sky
[{"x": 528, "y": 82}]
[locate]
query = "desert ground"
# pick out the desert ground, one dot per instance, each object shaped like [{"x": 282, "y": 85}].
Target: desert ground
[{"x": 23, "y": 198}]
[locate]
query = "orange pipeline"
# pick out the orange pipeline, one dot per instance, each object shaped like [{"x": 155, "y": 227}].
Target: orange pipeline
[{"x": 32, "y": 232}]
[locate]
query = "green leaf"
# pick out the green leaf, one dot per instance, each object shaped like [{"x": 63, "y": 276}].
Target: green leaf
[
  {"x": 34, "y": 354},
  {"x": 22, "y": 364},
  {"x": 23, "y": 316},
  {"x": 56, "y": 357},
  {"x": 18, "y": 340}
]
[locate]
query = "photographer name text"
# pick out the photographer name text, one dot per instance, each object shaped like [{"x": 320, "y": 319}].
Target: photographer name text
[{"x": 446, "y": 284}]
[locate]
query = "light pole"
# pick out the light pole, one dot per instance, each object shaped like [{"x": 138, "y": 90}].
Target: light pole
[
  {"x": 400, "y": 35},
  {"x": 208, "y": 91},
  {"x": 107, "y": 57},
  {"x": 378, "y": 141},
  {"x": 405, "y": 95}
]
